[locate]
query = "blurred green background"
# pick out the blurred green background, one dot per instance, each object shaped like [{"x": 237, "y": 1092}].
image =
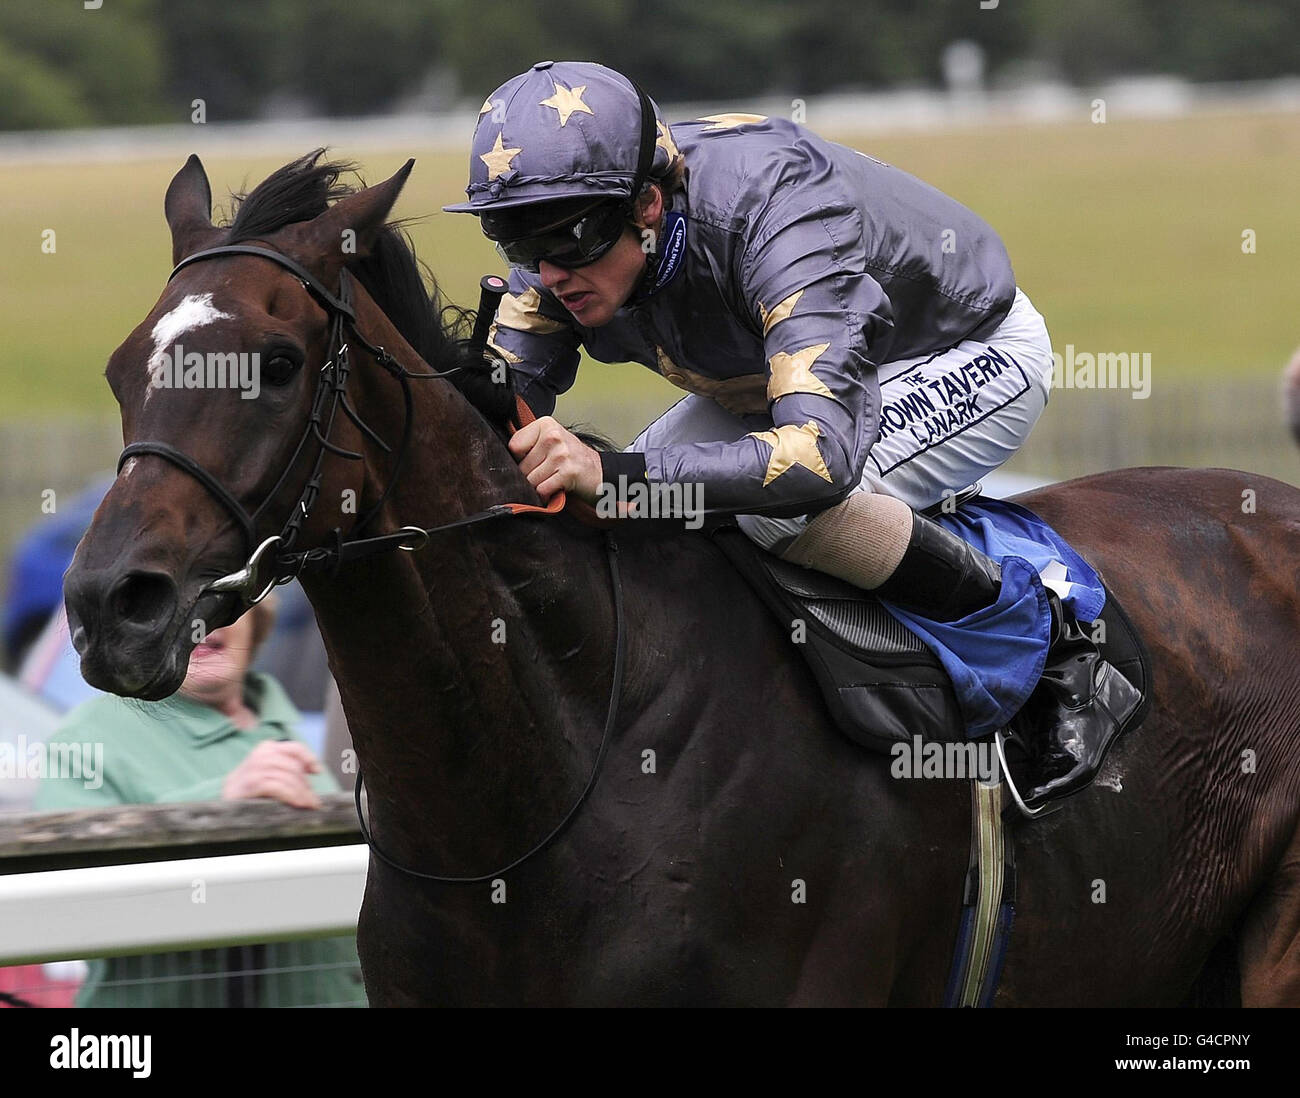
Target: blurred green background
[
  {"x": 143, "y": 60},
  {"x": 1126, "y": 235}
]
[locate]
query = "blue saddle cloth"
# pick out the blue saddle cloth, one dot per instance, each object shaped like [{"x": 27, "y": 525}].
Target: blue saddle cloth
[{"x": 995, "y": 656}]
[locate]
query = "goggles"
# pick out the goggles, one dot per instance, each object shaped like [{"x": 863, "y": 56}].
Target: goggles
[{"x": 569, "y": 244}]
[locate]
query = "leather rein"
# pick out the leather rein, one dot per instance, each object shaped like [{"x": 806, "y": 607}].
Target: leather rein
[{"x": 275, "y": 560}]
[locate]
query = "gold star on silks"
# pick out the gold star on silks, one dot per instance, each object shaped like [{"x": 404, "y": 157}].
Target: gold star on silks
[
  {"x": 509, "y": 356},
  {"x": 523, "y": 313},
  {"x": 783, "y": 310},
  {"x": 741, "y": 396},
  {"x": 793, "y": 446},
  {"x": 567, "y": 101},
  {"x": 487, "y": 106},
  {"x": 498, "y": 160},
  {"x": 793, "y": 373},
  {"x": 729, "y": 121},
  {"x": 665, "y": 141}
]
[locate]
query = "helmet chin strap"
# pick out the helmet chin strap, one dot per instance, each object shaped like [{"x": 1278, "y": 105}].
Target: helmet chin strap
[
  {"x": 655, "y": 276},
  {"x": 651, "y": 270},
  {"x": 646, "y": 145},
  {"x": 645, "y": 161}
]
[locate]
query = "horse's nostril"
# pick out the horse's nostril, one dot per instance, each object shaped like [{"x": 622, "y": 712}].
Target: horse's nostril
[
  {"x": 143, "y": 598},
  {"x": 76, "y": 631}
]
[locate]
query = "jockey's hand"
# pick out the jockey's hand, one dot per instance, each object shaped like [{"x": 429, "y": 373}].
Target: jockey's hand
[{"x": 552, "y": 457}]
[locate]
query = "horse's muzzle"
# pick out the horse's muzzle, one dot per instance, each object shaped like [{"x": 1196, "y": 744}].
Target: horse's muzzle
[{"x": 122, "y": 623}]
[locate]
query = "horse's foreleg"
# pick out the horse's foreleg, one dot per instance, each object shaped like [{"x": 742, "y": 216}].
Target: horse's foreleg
[{"x": 1269, "y": 952}]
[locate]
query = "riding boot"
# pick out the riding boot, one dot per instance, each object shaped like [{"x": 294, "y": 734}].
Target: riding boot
[
  {"x": 1078, "y": 709},
  {"x": 940, "y": 576}
]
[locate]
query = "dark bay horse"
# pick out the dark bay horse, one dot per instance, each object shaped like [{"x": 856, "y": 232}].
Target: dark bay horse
[{"x": 736, "y": 849}]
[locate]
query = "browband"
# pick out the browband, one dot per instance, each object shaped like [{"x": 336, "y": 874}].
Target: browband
[{"x": 299, "y": 272}]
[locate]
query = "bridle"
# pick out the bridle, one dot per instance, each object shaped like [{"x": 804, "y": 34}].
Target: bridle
[
  {"x": 331, "y": 394},
  {"x": 282, "y": 563}
]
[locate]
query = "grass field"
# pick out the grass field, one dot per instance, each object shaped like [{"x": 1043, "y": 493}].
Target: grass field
[{"x": 1126, "y": 235}]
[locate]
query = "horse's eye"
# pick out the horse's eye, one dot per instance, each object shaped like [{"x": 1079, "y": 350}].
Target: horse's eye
[{"x": 279, "y": 369}]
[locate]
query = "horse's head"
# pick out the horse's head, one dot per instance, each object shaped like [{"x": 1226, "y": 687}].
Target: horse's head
[{"x": 218, "y": 384}]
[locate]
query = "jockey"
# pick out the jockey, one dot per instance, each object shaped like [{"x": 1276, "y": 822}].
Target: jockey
[{"x": 853, "y": 340}]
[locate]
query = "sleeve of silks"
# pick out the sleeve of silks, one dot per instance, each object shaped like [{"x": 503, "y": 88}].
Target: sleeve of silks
[
  {"x": 802, "y": 282},
  {"x": 533, "y": 334}
]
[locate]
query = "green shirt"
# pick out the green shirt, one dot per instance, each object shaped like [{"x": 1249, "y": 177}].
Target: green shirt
[{"x": 182, "y": 750}]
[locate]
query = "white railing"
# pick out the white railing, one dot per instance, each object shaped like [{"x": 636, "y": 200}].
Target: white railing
[
  {"x": 189, "y": 903},
  {"x": 156, "y": 878}
]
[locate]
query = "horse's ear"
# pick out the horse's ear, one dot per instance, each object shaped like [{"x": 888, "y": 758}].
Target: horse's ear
[
  {"x": 347, "y": 230},
  {"x": 188, "y": 207}
]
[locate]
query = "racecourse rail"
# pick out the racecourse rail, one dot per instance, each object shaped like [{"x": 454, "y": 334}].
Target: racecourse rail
[{"x": 121, "y": 880}]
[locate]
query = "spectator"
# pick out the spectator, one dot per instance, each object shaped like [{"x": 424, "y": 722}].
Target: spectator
[{"x": 229, "y": 733}]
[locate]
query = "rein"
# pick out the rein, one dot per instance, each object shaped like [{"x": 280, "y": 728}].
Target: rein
[{"x": 287, "y": 564}]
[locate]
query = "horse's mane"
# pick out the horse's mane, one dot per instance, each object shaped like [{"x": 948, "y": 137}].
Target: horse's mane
[
  {"x": 392, "y": 274},
  {"x": 398, "y": 281}
]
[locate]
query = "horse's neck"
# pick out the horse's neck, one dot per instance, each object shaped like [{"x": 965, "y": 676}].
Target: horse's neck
[{"x": 474, "y": 672}]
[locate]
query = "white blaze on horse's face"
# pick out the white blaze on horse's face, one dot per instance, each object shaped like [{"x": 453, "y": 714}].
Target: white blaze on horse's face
[{"x": 194, "y": 311}]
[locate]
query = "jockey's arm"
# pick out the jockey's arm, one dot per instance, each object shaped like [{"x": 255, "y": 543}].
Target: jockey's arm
[
  {"x": 799, "y": 281},
  {"x": 533, "y": 334}
]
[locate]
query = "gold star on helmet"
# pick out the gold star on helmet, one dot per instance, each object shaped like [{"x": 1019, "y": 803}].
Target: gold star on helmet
[
  {"x": 487, "y": 106},
  {"x": 567, "y": 101},
  {"x": 793, "y": 446},
  {"x": 793, "y": 373},
  {"x": 665, "y": 141},
  {"x": 498, "y": 160}
]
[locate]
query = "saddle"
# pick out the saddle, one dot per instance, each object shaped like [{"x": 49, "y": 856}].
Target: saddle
[{"x": 881, "y": 683}]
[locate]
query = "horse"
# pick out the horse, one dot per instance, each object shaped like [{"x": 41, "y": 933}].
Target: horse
[{"x": 724, "y": 843}]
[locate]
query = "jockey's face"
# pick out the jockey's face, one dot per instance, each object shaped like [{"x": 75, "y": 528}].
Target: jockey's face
[{"x": 595, "y": 292}]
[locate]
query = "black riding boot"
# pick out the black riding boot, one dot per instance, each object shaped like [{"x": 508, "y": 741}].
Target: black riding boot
[
  {"x": 940, "y": 576},
  {"x": 1076, "y": 712}
]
